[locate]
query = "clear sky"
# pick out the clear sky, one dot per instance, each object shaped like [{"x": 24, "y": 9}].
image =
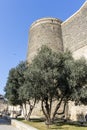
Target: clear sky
[{"x": 16, "y": 16}]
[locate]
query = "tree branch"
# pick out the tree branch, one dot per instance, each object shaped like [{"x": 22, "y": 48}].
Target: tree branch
[
  {"x": 57, "y": 107},
  {"x": 44, "y": 109},
  {"x": 63, "y": 109}
]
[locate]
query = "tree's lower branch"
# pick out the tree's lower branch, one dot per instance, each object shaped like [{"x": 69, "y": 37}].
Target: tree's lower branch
[
  {"x": 57, "y": 107},
  {"x": 63, "y": 109},
  {"x": 44, "y": 110}
]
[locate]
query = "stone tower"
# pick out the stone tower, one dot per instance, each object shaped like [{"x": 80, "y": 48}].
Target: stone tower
[
  {"x": 46, "y": 31},
  {"x": 59, "y": 36}
]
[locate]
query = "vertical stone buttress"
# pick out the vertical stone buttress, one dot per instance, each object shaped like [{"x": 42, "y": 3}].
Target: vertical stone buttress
[{"x": 45, "y": 31}]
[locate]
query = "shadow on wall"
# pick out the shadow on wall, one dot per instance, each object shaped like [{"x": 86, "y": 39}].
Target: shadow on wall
[{"x": 81, "y": 117}]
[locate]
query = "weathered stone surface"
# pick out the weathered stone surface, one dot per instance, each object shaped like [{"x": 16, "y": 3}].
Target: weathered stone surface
[
  {"x": 74, "y": 30},
  {"x": 77, "y": 112},
  {"x": 46, "y": 31},
  {"x": 59, "y": 36}
]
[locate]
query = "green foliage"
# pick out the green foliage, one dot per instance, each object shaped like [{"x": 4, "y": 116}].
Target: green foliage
[
  {"x": 79, "y": 81},
  {"x": 14, "y": 82},
  {"x": 52, "y": 71},
  {"x": 57, "y": 76},
  {"x": 51, "y": 76}
]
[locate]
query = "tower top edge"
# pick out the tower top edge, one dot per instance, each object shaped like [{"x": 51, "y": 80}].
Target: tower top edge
[
  {"x": 46, "y": 20},
  {"x": 77, "y": 12}
]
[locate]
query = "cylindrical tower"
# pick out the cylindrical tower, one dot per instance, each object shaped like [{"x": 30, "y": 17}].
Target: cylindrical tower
[{"x": 45, "y": 31}]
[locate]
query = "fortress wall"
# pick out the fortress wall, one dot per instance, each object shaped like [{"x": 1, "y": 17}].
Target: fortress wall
[
  {"x": 74, "y": 32},
  {"x": 77, "y": 112},
  {"x": 71, "y": 34},
  {"x": 46, "y": 31},
  {"x": 82, "y": 52}
]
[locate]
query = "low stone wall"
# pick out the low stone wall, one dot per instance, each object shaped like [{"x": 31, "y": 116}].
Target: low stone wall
[{"x": 21, "y": 126}]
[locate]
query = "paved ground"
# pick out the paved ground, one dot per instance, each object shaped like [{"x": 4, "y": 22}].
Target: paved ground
[{"x": 5, "y": 125}]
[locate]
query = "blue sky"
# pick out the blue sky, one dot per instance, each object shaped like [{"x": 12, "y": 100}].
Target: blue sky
[{"x": 16, "y": 16}]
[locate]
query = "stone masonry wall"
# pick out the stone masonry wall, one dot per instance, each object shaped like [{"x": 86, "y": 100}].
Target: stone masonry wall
[
  {"x": 77, "y": 112},
  {"x": 46, "y": 31},
  {"x": 59, "y": 36},
  {"x": 74, "y": 32},
  {"x": 82, "y": 52}
]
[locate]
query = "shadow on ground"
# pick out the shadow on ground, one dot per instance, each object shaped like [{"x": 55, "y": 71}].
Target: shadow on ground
[{"x": 73, "y": 123}]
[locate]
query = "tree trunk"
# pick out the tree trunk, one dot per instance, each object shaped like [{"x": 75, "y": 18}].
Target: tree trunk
[
  {"x": 56, "y": 109},
  {"x": 25, "y": 111},
  {"x": 44, "y": 112},
  {"x": 64, "y": 107},
  {"x": 46, "y": 108},
  {"x": 28, "y": 110},
  {"x": 31, "y": 109}
]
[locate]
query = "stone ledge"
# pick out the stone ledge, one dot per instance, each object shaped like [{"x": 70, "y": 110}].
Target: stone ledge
[
  {"x": 21, "y": 126},
  {"x": 45, "y": 20}
]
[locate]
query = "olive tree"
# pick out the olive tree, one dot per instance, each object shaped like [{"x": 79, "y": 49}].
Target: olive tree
[{"x": 57, "y": 76}]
